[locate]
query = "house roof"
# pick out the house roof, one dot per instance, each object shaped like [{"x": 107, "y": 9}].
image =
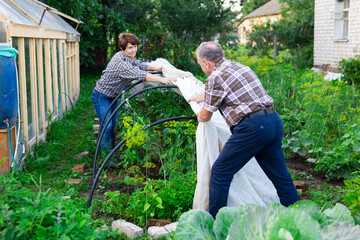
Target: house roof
[
  {"x": 270, "y": 8},
  {"x": 33, "y": 13}
]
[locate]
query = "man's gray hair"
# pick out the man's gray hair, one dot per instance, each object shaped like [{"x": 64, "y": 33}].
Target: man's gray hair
[{"x": 209, "y": 51}]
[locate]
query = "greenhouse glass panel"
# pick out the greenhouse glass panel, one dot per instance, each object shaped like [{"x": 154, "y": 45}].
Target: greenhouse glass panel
[
  {"x": 44, "y": 78},
  {"x": 66, "y": 91},
  {"x": 15, "y": 44},
  {"x": 37, "y": 79},
  {"x": 49, "y": 21},
  {"x": 31, "y": 129},
  {"x": 59, "y": 79},
  {"x": 8, "y": 10}
]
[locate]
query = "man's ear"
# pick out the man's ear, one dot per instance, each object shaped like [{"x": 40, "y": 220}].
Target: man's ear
[{"x": 206, "y": 62}]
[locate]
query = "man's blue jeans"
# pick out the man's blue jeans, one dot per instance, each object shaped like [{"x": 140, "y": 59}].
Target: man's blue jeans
[
  {"x": 101, "y": 103},
  {"x": 259, "y": 137}
]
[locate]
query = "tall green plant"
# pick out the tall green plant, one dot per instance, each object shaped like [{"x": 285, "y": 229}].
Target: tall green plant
[{"x": 350, "y": 68}]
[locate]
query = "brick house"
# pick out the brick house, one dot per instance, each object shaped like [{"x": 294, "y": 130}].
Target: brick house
[
  {"x": 336, "y": 32},
  {"x": 270, "y": 11}
]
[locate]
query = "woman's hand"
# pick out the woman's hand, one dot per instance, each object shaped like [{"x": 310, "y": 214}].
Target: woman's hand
[
  {"x": 157, "y": 69},
  {"x": 167, "y": 80},
  {"x": 156, "y": 78}
]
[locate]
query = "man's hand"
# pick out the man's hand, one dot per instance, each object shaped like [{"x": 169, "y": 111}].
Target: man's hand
[
  {"x": 204, "y": 115},
  {"x": 198, "y": 98}
]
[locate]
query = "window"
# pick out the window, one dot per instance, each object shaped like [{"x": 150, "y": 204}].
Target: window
[{"x": 341, "y": 19}]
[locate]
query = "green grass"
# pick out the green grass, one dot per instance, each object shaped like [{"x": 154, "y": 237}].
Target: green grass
[{"x": 54, "y": 158}]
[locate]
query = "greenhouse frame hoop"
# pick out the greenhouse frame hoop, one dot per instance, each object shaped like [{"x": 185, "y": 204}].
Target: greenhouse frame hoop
[
  {"x": 123, "y": 142},
  {"x": 102, "y": 128}
]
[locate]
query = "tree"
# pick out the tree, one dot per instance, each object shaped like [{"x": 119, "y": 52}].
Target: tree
[
  {"x": 250, "y": 5},
  {"x": 103, "y": 21},
  {"x": 296, "y": 27},
  {"x": 295, "y": 30},
  {"x": 260, "y": 40},
  {"x": 195, "y": 20}
]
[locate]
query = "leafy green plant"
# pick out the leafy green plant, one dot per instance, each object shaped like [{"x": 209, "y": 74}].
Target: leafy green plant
[
  {"x": 153, "y": 201},
  {"x": 352, "y": 194},
  {"x": 325, "y": 194},
  {"x": 344, "y": 158},
  {"x": 298, "y": 143},
  {"x": 40, "y": 215},
  {"x": 302, "y": 220},
  {"x": 350, "y": 68}
]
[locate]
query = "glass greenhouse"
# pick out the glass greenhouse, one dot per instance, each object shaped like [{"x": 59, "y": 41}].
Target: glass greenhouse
[{"x": 47, "y": 64}]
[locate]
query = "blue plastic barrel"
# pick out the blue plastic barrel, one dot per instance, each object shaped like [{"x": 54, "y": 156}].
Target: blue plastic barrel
[{"x": 8, "y": 86}]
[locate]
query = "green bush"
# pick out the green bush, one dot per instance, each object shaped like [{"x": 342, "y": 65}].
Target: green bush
[
  {"x": 178, "y": 52},
  {"x": 261, "y": 66},
  {"x": 350, "y": 69},
  {"x": 352, "y": 194},
  {"x": 159, "y": 199},
  {"x": 25, "y": 214}
]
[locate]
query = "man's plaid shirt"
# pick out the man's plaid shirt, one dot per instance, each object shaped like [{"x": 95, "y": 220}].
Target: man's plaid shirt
[
  {"x": 119, "y": 73},
  {"x": 235, "y": 90}
]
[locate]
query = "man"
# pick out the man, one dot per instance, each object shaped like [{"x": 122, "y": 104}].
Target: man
[{"x": 256, "y": 128}]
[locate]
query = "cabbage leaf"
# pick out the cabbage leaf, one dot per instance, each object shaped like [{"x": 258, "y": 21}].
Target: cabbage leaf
[{"x": 195, "y": 224}]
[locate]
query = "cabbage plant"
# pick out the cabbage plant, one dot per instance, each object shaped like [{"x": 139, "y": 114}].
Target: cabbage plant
[{"x": 304, "y": 220}]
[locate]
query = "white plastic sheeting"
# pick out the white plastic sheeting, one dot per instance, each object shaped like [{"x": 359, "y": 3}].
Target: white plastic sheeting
[{"x": 250, "y": 184}]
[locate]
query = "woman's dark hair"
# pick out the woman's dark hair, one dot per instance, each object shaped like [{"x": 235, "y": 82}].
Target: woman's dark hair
[{"x": 125, "y": 38}]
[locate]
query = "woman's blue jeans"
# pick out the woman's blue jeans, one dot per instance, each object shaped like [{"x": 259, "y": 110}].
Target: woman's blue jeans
[
  {"x": 101, "y": 103},
  {"x": 259, "y": 137}
]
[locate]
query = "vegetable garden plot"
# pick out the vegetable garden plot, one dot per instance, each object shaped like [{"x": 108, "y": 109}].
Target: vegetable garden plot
[{"x": 156, "y": 175}]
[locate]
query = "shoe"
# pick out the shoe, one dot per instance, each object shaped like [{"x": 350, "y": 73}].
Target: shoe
[{"x": 112, "y": 165}]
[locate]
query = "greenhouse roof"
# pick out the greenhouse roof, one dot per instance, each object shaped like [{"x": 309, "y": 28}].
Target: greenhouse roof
[{"x": 34, "y": 13}]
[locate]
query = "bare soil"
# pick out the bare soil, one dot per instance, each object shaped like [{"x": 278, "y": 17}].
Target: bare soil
[{"x": 306, "y": 171}]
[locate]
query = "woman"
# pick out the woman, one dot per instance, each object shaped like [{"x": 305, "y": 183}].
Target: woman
[{"x": 120, "y": 71}]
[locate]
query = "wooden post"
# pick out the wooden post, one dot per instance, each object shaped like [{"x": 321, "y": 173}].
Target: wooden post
[
  {"x": 22, "y": 86},
  {"x": 33, "y": 81},
  {"x": 55, "y": 76},
  {"x": 48, "y": 80},
  {"x": 77, "y": 63},
  {"x": 275, "y": 48},
  {"x": 66, "y": 85},
  {"x": 61, "y": 70},
  {"x": 73, "y": 72},
  {"x": 5, "y": 152},
  {"x": 40, "y": 78}
]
